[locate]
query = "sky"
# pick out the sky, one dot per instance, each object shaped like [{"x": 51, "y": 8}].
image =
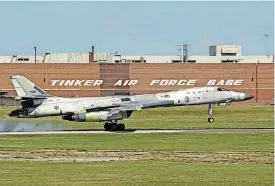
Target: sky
[{"x": 135, "y": 28}]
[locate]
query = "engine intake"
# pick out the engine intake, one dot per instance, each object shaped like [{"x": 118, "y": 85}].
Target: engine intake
[{"x": 68, "y": 117}]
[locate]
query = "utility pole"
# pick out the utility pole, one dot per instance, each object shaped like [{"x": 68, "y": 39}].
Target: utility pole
[
  {"x": 35, "y": 54},
  {"x": 185, "y": 49},
  {"x": 266, "y": 49},
  {"x": 182, "y": 51}
]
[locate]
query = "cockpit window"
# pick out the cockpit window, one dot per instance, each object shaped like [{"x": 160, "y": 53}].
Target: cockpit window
[
  {"x": 167, "y": 96},
  {"x": 222, "y": 89}
]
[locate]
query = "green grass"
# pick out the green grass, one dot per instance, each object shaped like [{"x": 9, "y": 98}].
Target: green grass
[
  {"x": 214, "y": 142},
  {"x": 255, "y": 150},
  {"x": 134, "y": 173},
  {"x": 175, "y": 117}
]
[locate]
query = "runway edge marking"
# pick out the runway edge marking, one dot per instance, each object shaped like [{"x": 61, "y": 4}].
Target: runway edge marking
[{"x": 139, "y": 132}]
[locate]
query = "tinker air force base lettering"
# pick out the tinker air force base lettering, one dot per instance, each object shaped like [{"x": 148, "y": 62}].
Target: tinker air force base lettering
[{"x": 159, "y": 82}]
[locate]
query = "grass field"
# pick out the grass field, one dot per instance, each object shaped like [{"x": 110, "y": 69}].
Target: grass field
[
  {"x": 145, "y": 159},
  {"x": 175, "y": 117},
  {"x": 179, "y": 141},
  {"x": 134, "y": 173}
]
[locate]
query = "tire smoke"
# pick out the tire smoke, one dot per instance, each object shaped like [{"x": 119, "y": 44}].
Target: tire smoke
[{"x": 15, "y": 126}]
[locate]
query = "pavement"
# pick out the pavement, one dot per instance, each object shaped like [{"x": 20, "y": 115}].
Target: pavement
[{"x": 144, "y": 131}]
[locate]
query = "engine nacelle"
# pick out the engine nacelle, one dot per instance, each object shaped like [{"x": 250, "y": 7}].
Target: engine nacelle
[{"x": 100, "y": 116}]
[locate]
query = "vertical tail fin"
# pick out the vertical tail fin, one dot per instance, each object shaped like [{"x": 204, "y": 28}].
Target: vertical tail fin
[{"x": 25, "y": 87}]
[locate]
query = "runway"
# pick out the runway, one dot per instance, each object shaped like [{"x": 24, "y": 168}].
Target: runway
[{"x": 144, "y": 131}]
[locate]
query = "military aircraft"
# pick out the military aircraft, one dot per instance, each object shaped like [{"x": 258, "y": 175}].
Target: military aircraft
[{"x": 111, "y": 109}]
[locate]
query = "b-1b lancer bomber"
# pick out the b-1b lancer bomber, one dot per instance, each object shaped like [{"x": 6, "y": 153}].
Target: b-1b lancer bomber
[{"x": 111, "y": 109}]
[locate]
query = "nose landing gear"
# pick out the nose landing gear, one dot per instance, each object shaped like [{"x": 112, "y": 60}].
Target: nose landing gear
[
  {"x": 210, "y": 112},
  {"x": 210, "y": 120}
]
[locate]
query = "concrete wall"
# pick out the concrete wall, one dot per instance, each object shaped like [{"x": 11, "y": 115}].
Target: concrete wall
[{"x": 258, "y": 79}]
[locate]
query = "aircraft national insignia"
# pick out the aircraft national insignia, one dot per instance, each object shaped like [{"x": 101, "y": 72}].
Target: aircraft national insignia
[{"x": 32, "y": 91}]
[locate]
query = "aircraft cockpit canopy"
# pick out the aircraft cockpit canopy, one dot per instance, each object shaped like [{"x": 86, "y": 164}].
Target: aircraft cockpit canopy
[{"x": 222, "y": 89}]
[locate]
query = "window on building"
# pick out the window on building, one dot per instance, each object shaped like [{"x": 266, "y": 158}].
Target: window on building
[
  {"x": 23, "y": 59},
  {"x": 228, "y": 54},
  {"x": 138, "y": 61},
  {"x": 176, "y": 61},
  {"x": 228, "y": 61},
  {"x": 125, "y": 99}
]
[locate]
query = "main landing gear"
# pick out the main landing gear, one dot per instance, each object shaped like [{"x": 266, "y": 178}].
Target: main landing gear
[
  {"x": 113, "y": 126},
  {"x": 210, "y": 112}
]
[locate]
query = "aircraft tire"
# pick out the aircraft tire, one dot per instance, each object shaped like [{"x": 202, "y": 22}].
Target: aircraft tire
[
  {"x": 210, "y": 120},
  {"x": 121, "y": 127},
  {"x": 107, "y": 126},
  {"x": 114, "y": 126}
]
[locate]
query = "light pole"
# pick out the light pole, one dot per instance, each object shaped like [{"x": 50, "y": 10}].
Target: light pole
[
  {"x": 182, "y": 52},
  {"x": 13, "y": 56},
  {"x": 34, "y": 54},
  {"x": 266, "y": 49}
]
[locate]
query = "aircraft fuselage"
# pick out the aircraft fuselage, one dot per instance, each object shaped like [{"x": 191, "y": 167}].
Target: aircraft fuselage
[{"x": 54, "y": 106}]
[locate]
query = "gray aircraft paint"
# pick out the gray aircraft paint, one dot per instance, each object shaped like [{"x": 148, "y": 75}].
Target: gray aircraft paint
[
  {"x": 113, "y": 107},
  {"x": 23, "y": 86}
]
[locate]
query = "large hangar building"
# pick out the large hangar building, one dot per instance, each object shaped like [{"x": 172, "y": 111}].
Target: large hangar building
[
  {"x": 217, "y": 54},
  {"x": 103, "y": 74}
]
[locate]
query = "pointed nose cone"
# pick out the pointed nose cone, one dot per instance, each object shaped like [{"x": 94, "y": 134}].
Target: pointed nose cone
[{"x": 248, "y": 96}]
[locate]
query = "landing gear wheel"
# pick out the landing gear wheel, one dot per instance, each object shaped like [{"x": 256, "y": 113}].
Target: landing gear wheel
[
  {"x": 107, "y": 126},
  {"x": 210, "y": 120},
  {"x": 114, "y": 126},
  {"x": 120, "y": 127},
  {"x": 210, "y": 113}
]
